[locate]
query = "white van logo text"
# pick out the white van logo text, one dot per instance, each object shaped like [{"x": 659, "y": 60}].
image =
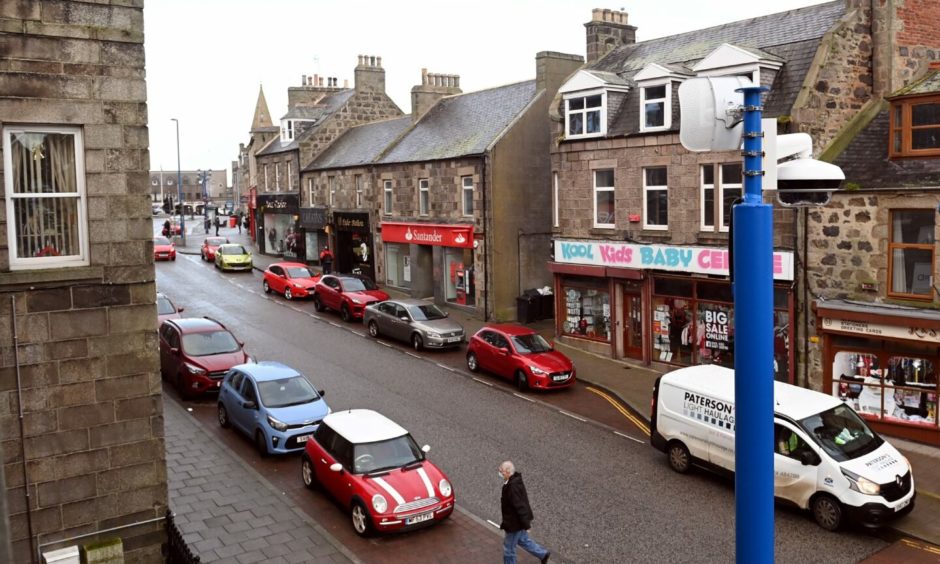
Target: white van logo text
[{"x": 709, "y": 410}]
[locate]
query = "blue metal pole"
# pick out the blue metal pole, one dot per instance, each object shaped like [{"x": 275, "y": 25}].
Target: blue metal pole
[
  {"x": 753, "y": 344},
  {"x": 179, "y": 184}
]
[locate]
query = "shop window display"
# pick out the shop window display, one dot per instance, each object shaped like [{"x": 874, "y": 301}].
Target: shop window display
[
  {"x": 587, "y": 313},
  {"x": 902, "y": 388}
]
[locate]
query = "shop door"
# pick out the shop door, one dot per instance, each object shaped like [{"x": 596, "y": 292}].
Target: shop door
[{"x": 633, "y": 325}]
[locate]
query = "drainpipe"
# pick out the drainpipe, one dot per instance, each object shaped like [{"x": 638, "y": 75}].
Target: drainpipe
[
  {"x": 486, "y": 243},
  {"x": 19, "y": 402},
  {"x": 804, "y": 212}
]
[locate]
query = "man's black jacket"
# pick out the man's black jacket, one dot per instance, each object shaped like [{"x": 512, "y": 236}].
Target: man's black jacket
[{"x": 517, "y": 514}]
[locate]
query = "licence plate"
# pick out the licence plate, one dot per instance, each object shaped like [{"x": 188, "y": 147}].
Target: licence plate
[
  {"x": 302, "y": 438},
  {"x": 454, "y": 339},
  {"x": 903, "y": 504},
  {"x": 419, "y": 518},
  {"x": 560, "y": 377}
]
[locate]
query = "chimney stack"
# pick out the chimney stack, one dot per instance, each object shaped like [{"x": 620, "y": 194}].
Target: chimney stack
[
  {"x": 369, "y": 74},
  {"x": 607, "y": 30},
  {"x": 433, "y": 87}
]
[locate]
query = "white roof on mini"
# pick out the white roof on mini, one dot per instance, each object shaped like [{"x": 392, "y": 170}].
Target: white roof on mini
[{"x": 363, "y": 426}]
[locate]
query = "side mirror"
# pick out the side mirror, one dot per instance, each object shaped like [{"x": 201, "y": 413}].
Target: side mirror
[
  {"x": 321, "y": 392},
  {"x": 426, "y": 449},
  {"x": 809, "y": 458},
  {"x": 336, "y": 467},
  {"x": 180, "y": 309},
  {"x": 250, "y": 405},
  {"x": 404, "y": 318},
  {"x": 504, "y": 351},
  {"x": 175, "y": 351}
]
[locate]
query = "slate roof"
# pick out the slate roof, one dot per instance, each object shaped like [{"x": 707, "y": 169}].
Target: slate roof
[
  {"x": 464, "y": 124},
  {"x": 865, "y": 161},
  {"x": 360, "y": 145},
  {"x": 304, "y": 112},
  {"x": 328, "y": 105}
]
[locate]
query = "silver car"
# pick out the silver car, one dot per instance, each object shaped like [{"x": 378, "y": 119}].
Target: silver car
[{"x": 416, "y": 321}]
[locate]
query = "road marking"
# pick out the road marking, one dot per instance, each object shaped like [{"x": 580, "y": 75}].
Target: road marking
[
  {"x": 335, "y": 324},
  {"x": 572, "y": 415},
  {"x": 920, "y": 546},
  {"x": 357, "y": 333},
  {"x": 445, "y": 367},
  {"x": 629, "y": 437},
  {"x": 640, "y": 424},
  {"x": 409, "y": 353},
  {"x": 492, "y": 523},
  {"x": 384, "y": 344},
  {"x": 520, "y": 396},
  {"x": 484, "y": 382},
  {"x": 928, "y": 494}
]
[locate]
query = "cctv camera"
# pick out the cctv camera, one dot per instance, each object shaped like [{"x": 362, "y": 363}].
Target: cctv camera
[{"x": 807, "y": 182}]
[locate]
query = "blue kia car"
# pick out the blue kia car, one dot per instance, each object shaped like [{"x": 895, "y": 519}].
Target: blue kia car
[{"x": 273, "y": 404}]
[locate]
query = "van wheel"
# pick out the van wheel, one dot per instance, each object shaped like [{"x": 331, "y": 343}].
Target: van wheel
[
  {"x": 827, "y": 511},
  {"x": 679, "y": 458}
]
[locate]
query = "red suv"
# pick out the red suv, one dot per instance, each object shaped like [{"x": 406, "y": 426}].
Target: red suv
[
  {"x": 195, "y": 353},
  {"x": 521, "y": 355},
  {"x": 347, "y": 294}
]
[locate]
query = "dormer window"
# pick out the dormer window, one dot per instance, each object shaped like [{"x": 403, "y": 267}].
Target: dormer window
[
  {"x": 915, "y": 127},
  {"x": 287, "y": 131},
  {"x": 657, "y": 107},
  {"x": 586, "y": 115}
]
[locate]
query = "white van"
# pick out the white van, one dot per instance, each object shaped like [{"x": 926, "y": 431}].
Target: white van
[{"x": 826, "y": 458}]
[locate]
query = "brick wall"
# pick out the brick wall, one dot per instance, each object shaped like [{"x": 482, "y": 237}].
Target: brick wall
[
  {"x": 87, "y": 349},
  {"x": 917, "y": 38}
]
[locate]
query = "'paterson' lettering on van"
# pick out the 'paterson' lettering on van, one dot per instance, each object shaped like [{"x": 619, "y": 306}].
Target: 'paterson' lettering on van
[{"x": 708, "y": 410}]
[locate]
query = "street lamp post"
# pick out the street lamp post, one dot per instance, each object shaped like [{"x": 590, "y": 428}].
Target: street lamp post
[{"x": 179, "y": 184}]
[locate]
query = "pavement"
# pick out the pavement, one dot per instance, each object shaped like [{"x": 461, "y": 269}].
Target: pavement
[{"x": 632, "y": 385}]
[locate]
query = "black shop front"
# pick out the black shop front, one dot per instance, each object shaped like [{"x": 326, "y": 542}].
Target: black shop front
[{"x": 354, "y": 250}]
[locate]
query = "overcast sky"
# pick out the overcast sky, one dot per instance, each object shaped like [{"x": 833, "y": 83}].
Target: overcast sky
[{"x": 207, "y": 58}]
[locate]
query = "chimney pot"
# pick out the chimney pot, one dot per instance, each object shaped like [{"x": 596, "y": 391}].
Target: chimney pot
[
  {"x": 378, "y": 62},
  {"x": 303, "y": 80},
  {"x": 320, "y": 83},
  {"x": 316, "y": 80},
  {"x": 372, "y": 61},
  {"x": 360, "y": 60},
  {"x": 345, "y": 83}
]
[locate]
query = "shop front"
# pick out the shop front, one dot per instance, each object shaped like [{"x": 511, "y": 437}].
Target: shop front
[
  {"x": 431, "y": 259},
  {"x": 882, "y": 361},
  {"x": 313, "y": 222},
  {"x": 660, "y": 303},
  {"x": 354, "y": 251},
  {"x": 278, "y": 229}
]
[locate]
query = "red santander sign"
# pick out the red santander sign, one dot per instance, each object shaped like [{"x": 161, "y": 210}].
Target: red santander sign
[{"x": 442, "y": 235}]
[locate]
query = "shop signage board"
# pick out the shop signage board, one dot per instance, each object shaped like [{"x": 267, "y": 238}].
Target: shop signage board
[
  {"x": 351, "y": 221},
  {"x": 883, "y": 331},
  {"x": 442, "y": 235},
  {"x": 312, "y": 218},
  {"x": 697, "y": 260}
]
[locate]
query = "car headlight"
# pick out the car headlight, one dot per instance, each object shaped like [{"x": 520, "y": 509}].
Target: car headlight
[
  {"x": 537, "y": 371},
  {"x": 444, "y": 487},
  {"x": 277, "y": 425},
  {"x": 860, "y": 484},
  {"x": 193, "y": 369},
  {"x": 434, "y": 335},
  {"x": 355, "y": 301},
  {"x": 379, "y": 503}
]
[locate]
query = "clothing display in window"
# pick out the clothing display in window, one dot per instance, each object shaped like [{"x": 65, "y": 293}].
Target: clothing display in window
[{"x": 587, "y": 313}]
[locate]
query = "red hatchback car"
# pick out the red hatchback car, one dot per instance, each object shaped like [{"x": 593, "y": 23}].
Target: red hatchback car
[
  {"x": 163, "y": 249},
  {"x": 521, "y": 355},
  {"x": 209, "y": 245},
  {"x": 347, "y": 294},
  {"x": 376, "y": 471},
  {"x": 292, "y": 279},
  {"x": 196, "y": 352}
]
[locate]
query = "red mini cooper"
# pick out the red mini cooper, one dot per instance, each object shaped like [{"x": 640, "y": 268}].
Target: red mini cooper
[
  {"x": 377, "y": 472},
  {"x": 520, "y": 355}
]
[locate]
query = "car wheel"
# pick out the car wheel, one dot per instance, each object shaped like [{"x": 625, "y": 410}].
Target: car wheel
[
  {"x": 261, "y": 444},
  {"x": 679, "y": 458},
  {"x": 287, "y": 294},
  {"x": 181, "y": 387},
  {"x": 361, "y": 521},
  {"x": 417, "y": 342},
  {"x": 223, "y": 417},
  {"x": 374, "y": 329},
  {"x": 344, "y": 313},
  {"x": 521, "y": 383},
  {"x": 827, "y": 512},
  {"x": 173, "y": 258},
  {"x": 307, "y": 473},
  {"x": 317, "y": 304},
  {"x": 265, "y": 287},
  {"x": 472, "y": 363}
]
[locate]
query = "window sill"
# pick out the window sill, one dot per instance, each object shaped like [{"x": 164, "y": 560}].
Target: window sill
[{"x": 53, "y": 275}]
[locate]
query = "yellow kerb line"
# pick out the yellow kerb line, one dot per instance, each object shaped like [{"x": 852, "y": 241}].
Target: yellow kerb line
[
  {"x": 640, "y": 424},
  {"x": 920, "y": 546}
]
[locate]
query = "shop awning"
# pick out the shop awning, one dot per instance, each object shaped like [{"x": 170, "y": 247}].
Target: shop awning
[{"x": 878, "y": 320}]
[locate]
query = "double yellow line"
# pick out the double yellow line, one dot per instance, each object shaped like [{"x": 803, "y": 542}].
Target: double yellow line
[
  {"x": 921, "y": 546},
  {"x": 633, "y": 419}
]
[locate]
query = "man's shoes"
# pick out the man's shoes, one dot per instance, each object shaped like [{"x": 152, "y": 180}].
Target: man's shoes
[{"x": 546, "y": 557}]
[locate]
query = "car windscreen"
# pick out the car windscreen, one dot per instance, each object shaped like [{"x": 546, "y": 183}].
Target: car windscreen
[
  {"x": 300, "y": 272},
  {"x": 164, "y": 306},
  {"x": 236, "y": 250},
  {"x": 842, "y": 433},
  {"x": 385, "y": 455},
  {"x": 357, "y": 284},
  {"x": 284, "y": 392},
  {"x": 529, "y": 344},
  {"x": 204, "y": 344},
  {"x": 428, "y": 312},
  {"x": 215, "y": 241},
  {"x": 161, "y": 241}
]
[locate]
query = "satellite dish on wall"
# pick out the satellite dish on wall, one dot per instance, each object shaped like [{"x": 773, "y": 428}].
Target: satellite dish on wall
[{"x": 709, "y": 110}]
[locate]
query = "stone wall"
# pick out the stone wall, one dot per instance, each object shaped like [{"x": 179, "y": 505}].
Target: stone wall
[
  {"x": 279, "y": 178},
  {"x": 917, "y": 41},
  {"x": 93, "y": 448}
]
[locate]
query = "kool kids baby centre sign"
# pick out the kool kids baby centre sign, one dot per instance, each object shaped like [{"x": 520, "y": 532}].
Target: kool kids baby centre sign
[{"x": 698, "y": 260}]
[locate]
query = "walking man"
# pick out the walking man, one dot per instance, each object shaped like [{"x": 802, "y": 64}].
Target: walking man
[
  {"x": 326, "y": 260},
  {"x": 517, "y": 517},
  {"x": 217, "y": 224}
]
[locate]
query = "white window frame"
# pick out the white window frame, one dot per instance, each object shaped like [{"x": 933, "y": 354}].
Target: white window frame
[
  {"x": 466, "y": 190},
  {"x": 27, "y": 263},
  {"x": 721, "y": 192},
  {"x": 603, "y": 113},
  {"x": 277, "y": 177},
  {"x": 387, "y": 200},
  {"x": 555, "y": 199},
  {"x": 266, "y": 177},
  {"x": 358, "y": 190},
  {"x": 597, "y": 190},
  {"x": 287, "y": 131},
  {"x": 667, "y": 106},
  {"x": 646, "y": 190},
  {"x": 310, "y": 191},
  {"x": 702, "y": 188},
  {"x": 424, "y": 197},
  {"x": 331, "y": 182},
  {"x": 290, "y": 179}
]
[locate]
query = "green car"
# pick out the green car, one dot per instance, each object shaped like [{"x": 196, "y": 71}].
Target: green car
[{"x": 232, "y": 256}]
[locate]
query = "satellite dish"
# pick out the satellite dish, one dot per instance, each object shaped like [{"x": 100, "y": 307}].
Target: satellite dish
[{"x": 709, "y": 113}]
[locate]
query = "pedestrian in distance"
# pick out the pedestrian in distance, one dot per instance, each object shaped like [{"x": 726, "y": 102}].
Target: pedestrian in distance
[
  {"x": 326, "y": 260},
  {"x": 517, "y": 516},
  {"x": 166, "y": 228},
  {"x": 238, "y": 222},
  {"x": 206, "y": 223},
  {"x": 217, "y": 225},
  {"x": 272, "y": 236}
]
